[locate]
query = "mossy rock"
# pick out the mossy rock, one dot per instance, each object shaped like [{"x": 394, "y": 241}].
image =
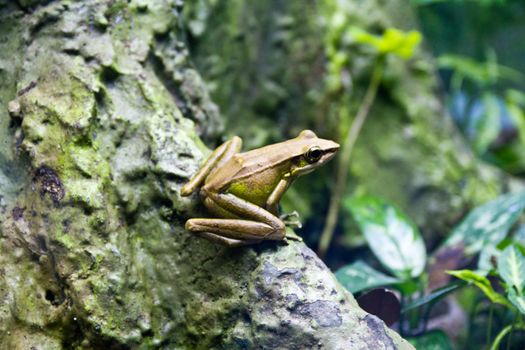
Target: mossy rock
[{"x": 103, "y": 117}]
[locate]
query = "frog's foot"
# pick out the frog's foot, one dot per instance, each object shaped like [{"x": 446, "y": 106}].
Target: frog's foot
[
  {"x": 292, "y": 236},
  {"x": 291, "y": 219}
]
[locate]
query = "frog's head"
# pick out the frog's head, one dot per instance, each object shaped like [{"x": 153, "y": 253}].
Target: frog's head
[{"x": 315, "y": 152}]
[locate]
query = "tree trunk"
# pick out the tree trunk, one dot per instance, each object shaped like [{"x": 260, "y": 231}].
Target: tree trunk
[{"x": 99, "y": 111}]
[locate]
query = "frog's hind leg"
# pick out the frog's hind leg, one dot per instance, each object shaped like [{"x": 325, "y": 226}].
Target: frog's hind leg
[
  {"x": 229, "y": 242},
  {"x": 234, "y": 228},
  {"x": 218, "y": 211},
  {"x": 256, "y": 223},
  {"x": 222, "y": 154}
]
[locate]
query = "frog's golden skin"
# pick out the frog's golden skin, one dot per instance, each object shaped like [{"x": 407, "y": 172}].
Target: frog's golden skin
[{"x": 243, "y": 190}]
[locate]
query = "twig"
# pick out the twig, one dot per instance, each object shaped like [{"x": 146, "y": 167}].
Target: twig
[
  {"x": 489, "y": 328},
  {"x": 346, "y": 153}
]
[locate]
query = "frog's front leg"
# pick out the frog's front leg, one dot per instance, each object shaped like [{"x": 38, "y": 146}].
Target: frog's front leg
[
  {"x": 258, "y": 225},
  {"x": 272, "y": 204}
]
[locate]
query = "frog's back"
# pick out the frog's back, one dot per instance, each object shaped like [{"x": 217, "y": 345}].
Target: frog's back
[{"x": 248, "y": 177}]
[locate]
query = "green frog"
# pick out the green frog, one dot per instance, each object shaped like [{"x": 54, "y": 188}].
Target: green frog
[{"x": 243, "y": 190}]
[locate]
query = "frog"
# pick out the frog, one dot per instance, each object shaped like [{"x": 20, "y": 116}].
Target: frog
[{"x": 242, "y": 190}]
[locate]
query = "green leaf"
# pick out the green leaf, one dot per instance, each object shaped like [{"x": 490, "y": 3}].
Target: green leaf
[
  {"x": 409, "y": 286},
  {"x": 514, "y": 102},
  {"x": 482, "y": 283},
  {"x": 391, "y": 235},
  {"x": 436, "y": 295},
  {"x": 360, "y": 276},
  {"x": 487, "y": 224},
  {"x": 482, "y": 73},
  {"x": 511, "y": 267},
  {"x": 426, "y": 2},
  {"x": 433, "y": 340},
  {"x": 488, "y": 254},
  {"x": 392, "y": 41},
  {"x": 519, "y": 235},
  {"x": 488, "y": 125},
  {"x": 517, "y": 300}
]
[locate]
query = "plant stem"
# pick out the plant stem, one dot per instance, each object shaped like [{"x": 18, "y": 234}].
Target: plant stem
[
  {"x": 509, "y": 340},
  {"x": 489, "y": 328},
  {"x": 470, "y": 318},
  {"x": 503, "y": 333},
  {"x": 402, "y": 315},
  {"x": 346, "y": 153}
]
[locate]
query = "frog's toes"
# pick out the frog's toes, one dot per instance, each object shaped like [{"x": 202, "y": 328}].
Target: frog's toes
[
  {"x": 292, "y": 236},
  {"x": 291, "y": 219},
  {"x": 287, "y": 216}
]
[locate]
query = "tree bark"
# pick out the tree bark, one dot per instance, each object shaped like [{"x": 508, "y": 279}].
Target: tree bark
[{"x": 100, "y": 111}]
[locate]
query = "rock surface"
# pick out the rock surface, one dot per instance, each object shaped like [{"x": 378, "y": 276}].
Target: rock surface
[{"x": 99, "y": 108}]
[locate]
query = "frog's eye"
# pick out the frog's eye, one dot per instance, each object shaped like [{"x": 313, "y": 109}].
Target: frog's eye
[{"x": 313, "y": 154}]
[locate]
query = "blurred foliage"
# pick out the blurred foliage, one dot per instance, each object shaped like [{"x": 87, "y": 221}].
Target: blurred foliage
[
  {"x": 433, "y": 340},
  {"x": 339, "y": 36},
  {"x": 488, "y": 115},
  {"x": 511, "y": 268},
  {"x": 487, "y": 225},
  {"x": 393, "y": 238},
  {"x": 483, "y": 284},
  {"x": 510, "y": 272},
  {"x": 392, "y": 41},
  {"x": 479, "y": 49},
  {"x": 360, "y": 276},
  {"x": 486, "y": 232},
  {"x": 480, "y": 2},
  {"x": 483, "y": 74}
]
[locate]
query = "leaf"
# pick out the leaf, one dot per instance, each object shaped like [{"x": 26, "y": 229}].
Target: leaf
[
  {"x": 360, "y": 276},
  {"x": 382, "y": 303},
  {"x": 515, "y": 96},
  {"x": 511, "y": 267},
  {"x": 519, "y": 235},
  {"x": 513, "y": 101},
  {"x": 486, "y": 261},
  {"x": 487, "y": 224},
  {"x": 517, "y": 300},
  {"x": 482, "y": 73},
  {"x": 487, "y": 125},
  {"x": 433, "y": 297},
  {"x": 482, "y": 283},
  {"x": 409, "y": 286},
  {"x": 433, "y": 340},
  {"x": 391, "y": 235},
  {"x": 488, "y": 258},
  {"x": 392, "y": 41}
]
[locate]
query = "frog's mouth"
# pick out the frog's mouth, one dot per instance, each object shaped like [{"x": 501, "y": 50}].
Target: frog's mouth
[{"x": 328, "y": 155}]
